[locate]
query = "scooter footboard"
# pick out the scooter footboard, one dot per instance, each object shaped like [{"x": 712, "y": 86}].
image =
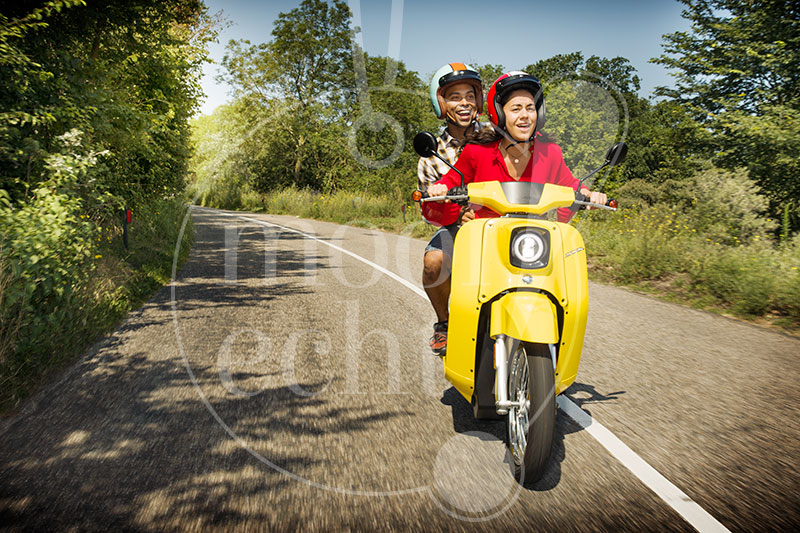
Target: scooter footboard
[{"x": 525, "y": 315}]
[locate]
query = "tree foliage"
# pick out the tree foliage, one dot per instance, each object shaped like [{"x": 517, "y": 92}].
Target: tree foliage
[
  {"x": 125, "y": 74},
  {"x": 319, "y": 112},
  {"x": 303, "y": 67},
  {"x": 489, "y": 73},
  {"x": 306, "y": 61},
  {"x": 311, "y": 50},
  {"x": 95, "y": 98},
  {"x": 737, "y": 72},
  {"x": 738, "y": 55}
]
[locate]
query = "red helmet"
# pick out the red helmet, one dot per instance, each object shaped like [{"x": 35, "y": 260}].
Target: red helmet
[{"x": 502, "y": 88}]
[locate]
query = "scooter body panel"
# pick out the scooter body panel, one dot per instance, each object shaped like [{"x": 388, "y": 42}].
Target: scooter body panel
[
  {"x": 546, "y": 305},
  {"x": 577, "y": 309},
  {"x": 459, "y": 361}
]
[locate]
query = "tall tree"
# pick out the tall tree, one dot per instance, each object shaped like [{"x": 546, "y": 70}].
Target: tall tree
[
  {"x": 312, "y": 49},
  {"x": 738, "y": 55},
  {"x": 738, "y": 71},
  {"x": 304, "y": 64},
  {"x": 306, "y": 60}
]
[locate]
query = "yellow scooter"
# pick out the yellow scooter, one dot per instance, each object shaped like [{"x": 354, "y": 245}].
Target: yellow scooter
[{"x": 518, "y": 306}]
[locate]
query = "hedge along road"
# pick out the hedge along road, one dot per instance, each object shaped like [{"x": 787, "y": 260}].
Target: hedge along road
[{"x": 282, "y": 382}]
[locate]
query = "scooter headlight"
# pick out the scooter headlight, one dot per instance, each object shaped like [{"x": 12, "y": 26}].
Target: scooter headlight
[{"x": 530, "y": 248}]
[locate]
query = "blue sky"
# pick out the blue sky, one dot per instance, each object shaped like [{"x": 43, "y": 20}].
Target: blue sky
[{"x": 426, "y": 34}]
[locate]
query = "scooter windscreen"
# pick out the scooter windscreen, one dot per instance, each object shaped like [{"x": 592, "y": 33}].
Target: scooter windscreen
[{"x": 518, "y": 192}]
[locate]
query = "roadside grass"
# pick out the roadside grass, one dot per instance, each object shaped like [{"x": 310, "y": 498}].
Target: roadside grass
[
  {"x": 341, "y": 207},
  {"x": 659, "y": 252},
  {"x": 656, "y": 250},
  {"x": 43, "y": 331}
]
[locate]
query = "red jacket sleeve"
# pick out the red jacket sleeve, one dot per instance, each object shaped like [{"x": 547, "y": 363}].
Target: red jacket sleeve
[
  {"x": 563, "y": 176},
  {"x": 440, "y": 213},
  {"x": 561, "y": 173}
]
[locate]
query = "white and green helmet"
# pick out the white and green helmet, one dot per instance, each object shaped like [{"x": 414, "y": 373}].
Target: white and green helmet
[{"x": 454, "y": 73}]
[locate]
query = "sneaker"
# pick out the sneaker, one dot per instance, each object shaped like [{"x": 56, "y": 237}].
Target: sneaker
[{"x": 439, "y": 339}]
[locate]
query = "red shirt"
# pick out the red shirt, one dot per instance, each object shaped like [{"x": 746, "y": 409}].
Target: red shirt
[{"x": 481, "y": 163}]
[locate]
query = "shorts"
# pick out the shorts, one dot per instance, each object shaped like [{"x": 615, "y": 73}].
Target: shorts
[{"x": 443, "y": 240}]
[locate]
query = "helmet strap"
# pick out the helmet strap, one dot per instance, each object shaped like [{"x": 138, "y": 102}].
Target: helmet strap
[{"x": 513, "y": 141}]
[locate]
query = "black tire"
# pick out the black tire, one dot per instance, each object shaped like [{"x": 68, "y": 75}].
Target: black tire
[{"x": 532, "y": 453}]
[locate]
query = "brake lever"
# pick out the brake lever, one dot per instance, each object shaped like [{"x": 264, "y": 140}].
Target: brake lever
[{"x": 598, "y": 206}]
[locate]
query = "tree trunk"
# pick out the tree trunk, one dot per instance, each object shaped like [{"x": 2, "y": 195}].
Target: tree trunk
[{"x": 298, "y": 162}]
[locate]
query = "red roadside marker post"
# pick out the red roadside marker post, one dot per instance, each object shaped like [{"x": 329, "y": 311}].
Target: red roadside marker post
[{"x": 125, "y": 221}]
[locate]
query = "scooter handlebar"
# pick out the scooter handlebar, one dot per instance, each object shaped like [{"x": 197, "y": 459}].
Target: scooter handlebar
[
  {"x": 456, "y": 194},
  {"x": 582, "y": 202}
]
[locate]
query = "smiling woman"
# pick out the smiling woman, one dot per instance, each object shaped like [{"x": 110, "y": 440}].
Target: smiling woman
[{"x": 520, "y": 112}]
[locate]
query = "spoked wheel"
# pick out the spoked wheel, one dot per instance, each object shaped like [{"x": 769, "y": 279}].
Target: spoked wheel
[{"x": 531, "y": 426}]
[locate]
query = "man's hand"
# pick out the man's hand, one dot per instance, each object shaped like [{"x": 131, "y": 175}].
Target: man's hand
[
  {"x": 437, "y": 189},
  {"x": 467, "y": 215}
]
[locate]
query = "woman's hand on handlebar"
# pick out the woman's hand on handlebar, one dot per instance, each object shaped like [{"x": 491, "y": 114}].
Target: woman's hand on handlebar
[{"x": 596, "y": 197}]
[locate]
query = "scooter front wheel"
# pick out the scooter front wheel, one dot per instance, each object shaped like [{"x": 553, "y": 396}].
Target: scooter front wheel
[{"x": 531, "y": 423}]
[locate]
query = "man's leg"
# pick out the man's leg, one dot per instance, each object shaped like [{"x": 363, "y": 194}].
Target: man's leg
[
  {"x": 436, "y": 280},
  {"x": 436, "y": 285}
]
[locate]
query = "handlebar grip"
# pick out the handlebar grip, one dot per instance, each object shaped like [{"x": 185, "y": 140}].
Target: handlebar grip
[{"x": 581, "y": 201}]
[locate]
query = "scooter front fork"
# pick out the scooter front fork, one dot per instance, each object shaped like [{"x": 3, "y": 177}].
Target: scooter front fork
[{"x": 502, "y": 403}]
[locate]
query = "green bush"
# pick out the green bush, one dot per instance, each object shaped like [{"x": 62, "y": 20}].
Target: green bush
[
  {"x": 787, "y": 280},
  {"x": 726, "y": 207},
  {"x": 740, "y": 277},
  {"x": 64, "y": 275},
  {"x": 670, "y": 247},
  {"x": 47, "y": 244},
  {"x": 648, "y": 243},
  {"x": 12, "y": 314}
]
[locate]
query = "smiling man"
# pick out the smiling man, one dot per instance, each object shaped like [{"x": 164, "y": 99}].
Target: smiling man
[{"x": 456, "y": 95}]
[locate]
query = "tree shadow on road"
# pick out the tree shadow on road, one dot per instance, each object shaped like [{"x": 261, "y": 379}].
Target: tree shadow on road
[
  {"x": 129, "y": 445},
  {"x": 124, "y": 441}
]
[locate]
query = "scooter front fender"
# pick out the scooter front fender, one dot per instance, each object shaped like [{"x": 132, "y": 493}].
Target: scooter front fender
[{"x": 525, "y": 315}]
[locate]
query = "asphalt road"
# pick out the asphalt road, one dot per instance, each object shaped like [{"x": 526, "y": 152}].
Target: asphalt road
[{"x": 282, "y": 384}]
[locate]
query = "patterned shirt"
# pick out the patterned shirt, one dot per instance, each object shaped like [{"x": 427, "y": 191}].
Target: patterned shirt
[{"x": 430, "y": 169}]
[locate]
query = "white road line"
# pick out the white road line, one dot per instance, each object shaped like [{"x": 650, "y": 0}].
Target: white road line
[
  {"x": 695, "y": 515},
  {"x": 376, "y": 266},
  {"x": 698, "y": 517}
]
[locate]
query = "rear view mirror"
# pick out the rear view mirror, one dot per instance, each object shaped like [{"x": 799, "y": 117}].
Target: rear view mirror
[
  {"x": 425, "y": 144},
  {"x": 616, "y": 154}
]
